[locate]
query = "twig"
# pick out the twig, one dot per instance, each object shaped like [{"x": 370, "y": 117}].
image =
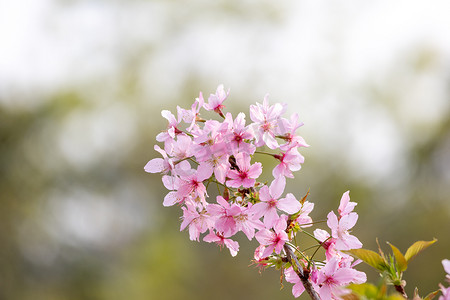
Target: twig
[{"x": 292, "y": 258}]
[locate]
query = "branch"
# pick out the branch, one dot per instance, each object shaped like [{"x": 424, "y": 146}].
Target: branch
[{"x": 292, "y": 258}]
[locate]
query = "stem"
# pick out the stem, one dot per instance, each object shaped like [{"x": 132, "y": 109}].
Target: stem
[
  {"x": 262, "y": 152},
  {"x": 312, "y": 236},
  {"x": 292, "y": 258},
  {"x": 401, "y": 290},
  {"x": 320, "y": 246},
  {"x": 300, "y": 252}
]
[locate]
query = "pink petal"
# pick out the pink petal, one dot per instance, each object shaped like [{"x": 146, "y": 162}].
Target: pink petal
[
  {"x": 277, "y": 187},
  {"x": 348, "y": 242},
  {"x": 346, "y": 275},
  {"x": 270, "y": 217},
  {"x": 348, "y": 221},
  {"x": 280, "y": 225},
  {"x": 221, "y": 200},
  {"x": 170, "y": 182},
  {"x": 446, "y": 265},
  {"x": 291, "y": 276},
  {"x": 270, "y": 140},
  {"x": 248, "y": 182},
  {"x": 233, "y": 246},
  {"x": 170, "y": 199},
  {"x": 264, "y": 237},
  {"x": 211, "y": 238},
  {"x": 220, "y": 173},
  {"x": 255, "y": 170},
  {"x": 321, "y": 234},
  {"x": 264, "y": 194},
  {"x": 259, "y": 209},
  {"x": 330, "y": 267},
  {"x": 155, "y": 165},
  {"x": 289, "y": 204},
  {"x": 325, "y": 292},
  {"x": 242, "y": 160},
  {"x": 345, "y": 207},
  {"x": 204, "y": 171},
  {"x": 278, "y": 171},
  {"x": 298, "y": 289},
  {"x": 268, "y": 251},
  {"x": 332, "y": 222}
]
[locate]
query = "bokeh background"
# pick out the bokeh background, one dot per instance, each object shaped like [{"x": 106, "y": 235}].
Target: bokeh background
[{"x": 82, "y": 84}]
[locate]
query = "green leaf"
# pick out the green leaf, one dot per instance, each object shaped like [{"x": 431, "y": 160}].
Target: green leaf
[
  {"x": 369, "y": 257},
  {"x": 416, "y": 248},
  {"x": 400, "y": 261},
  {"x": 364, "y": 289}
]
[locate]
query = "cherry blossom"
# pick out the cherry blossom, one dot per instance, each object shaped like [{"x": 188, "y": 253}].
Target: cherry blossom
[
  {"x": 287, "y": 131},
  {"x": 245, "y": 174},
  {"x": 292, "y": 277},
  {"x": 224, "y": 213},
  {"x": 172, "y": 127},
  {"x": 159, "y": 165},
  {"x": 193, "y": 184},
  {"x": 221, "y": 240},
  {"x": 289, "y": 161},
  {"x": 345, "y": 206},
  {"x": 265, "y": 124},
  {"x": 215, "y": 100},
  {"x": 273, "y": 240},
  {"x": 340, "y": 231},
  {"x": 270, "y": 202},
  {"x": 331, "y": 278},
  {"x": 198, "y": 222},
  {"x": 199, "y": 154},
  {"x": 238, "y": 135}
]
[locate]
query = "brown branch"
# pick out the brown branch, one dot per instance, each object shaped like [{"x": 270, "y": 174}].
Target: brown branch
[{"x": 292, "y": 258}]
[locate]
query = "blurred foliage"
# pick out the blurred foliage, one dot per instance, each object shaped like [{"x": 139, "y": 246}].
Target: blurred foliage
[{"x": 82, "y": 220}]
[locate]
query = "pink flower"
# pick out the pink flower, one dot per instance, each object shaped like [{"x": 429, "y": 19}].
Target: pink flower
[
  {"x": 265, "y": 124},
  {"x": 159, "y": 165},
  {"x": 289, "y": 161},
  {"x": 215, "y": 100},
  {"x": 292, "y": 277},
  {"x": 274, "y": 240},
  {"x": 198, "y": 222},
  {"x": 328, "y": 243},
  {"x": 172, "y": 129},
  {"x": 247, "y": 222},
  {"x": 345, "y": 206},
  {"x": 304, "y": 220},
  {"x": 270, "y": 202},
  {"x": 224, "y": 215},
  {"x": 287, "y": 132},
  {"x": 245, "y": 174},
  {"x": 216, "y": 159},
  {"x": 181, "y": 148},
  {"x": 238, "y": 134},
  {"x": 331, "y": 278},
  {"x": 192, "y": 115},
  {"x": 193, "y": 184},
  {"x": 221, "y": 240},
  {"x": 340, "y": 231}
]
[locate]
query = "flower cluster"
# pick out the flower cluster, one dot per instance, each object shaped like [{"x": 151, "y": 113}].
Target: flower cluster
[{"x": 209, "y": 157}]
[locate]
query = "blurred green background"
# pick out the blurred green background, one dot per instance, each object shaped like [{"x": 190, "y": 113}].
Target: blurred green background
[{"x": 82, "y": 84}]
